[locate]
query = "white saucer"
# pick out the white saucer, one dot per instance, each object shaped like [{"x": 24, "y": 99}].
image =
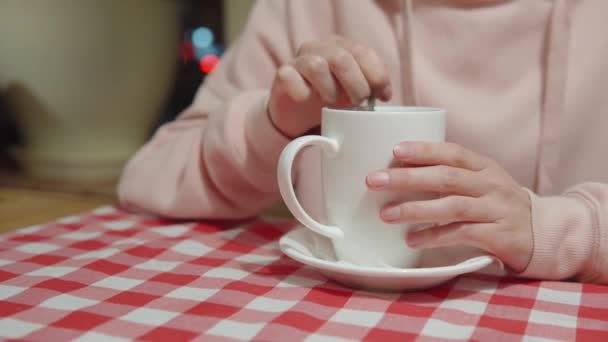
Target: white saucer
[{"x": 300, "y": 243}]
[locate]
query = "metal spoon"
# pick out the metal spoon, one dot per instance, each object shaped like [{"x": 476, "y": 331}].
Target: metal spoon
[{"x": 371, "y": 103}]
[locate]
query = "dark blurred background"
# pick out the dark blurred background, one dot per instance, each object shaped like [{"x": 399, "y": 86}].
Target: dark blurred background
[
  {"x": 196, "y": 14},
  {"x": 83, "y": 84},
  {"x": 203, "y": 30}
]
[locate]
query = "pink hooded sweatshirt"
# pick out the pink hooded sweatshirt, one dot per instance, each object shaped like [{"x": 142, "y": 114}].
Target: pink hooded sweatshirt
[{"x": 524, "y": 82}]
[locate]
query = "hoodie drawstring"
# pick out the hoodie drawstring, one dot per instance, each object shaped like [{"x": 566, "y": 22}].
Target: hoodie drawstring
[
  {"x": 554, "y": 92},
  {"x": 410, "y": 95}
]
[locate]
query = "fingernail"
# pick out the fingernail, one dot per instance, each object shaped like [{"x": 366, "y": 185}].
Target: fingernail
[
  {"x": 391, "y": 214},
  {"x": 378, "y": 179},
  {"x": 414, "y": 240},
  {"x": 403, "y": 150}
]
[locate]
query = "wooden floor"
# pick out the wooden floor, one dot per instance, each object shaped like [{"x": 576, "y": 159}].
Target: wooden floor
[{"x": 21, "y": 207}]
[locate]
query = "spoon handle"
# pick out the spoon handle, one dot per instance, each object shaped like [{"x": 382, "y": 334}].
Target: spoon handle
[{"x": 371, "y": 103}]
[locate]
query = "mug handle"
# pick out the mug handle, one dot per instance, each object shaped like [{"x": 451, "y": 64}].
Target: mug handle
[{"x": 327, "y": 145}]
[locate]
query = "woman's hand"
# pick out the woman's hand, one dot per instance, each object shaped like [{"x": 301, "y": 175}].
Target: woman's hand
[
  {"x": 334, "y": 72},
  {"x": 480, "y": 204}
]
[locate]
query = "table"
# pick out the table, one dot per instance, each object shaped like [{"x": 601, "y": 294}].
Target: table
[
  {"x": 111, "y": 275},
  {"x": 21, "y": 206}
]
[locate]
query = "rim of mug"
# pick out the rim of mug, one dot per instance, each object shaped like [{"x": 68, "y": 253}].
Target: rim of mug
[{"x": 386, "y": 109}]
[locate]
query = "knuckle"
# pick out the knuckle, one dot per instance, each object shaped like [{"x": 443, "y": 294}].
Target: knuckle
[
  {"x": 400, "y": 177},
  {"x": 459, "y": 155},
  {"x": 307, "y": 47},
  {"x": 362, "y": 52},
  {"x": 496, "y": 184},
  {"x": 468, "y": 232},
  {"x": 460, "y": 207},
  {"x": 284, "y": 73},
  {"x": 452, "y": 146},
  {"x": 489, "y": 163},
  {"x": 410, "y": 211},
  {"x": 335, "y": 38},
  {"x": 450, "y": 178},
  {"x": 507, "y": 193},
  {"x": 340, "y": 60},
  {"x": 424, "y": 149},
  {"x": 377, "y": 74},
  {"x": 298, "y": 97},
  {"x": 315, "y": 65}
]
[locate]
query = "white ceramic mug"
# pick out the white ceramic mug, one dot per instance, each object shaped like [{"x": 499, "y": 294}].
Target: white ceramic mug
[{"x": 356, "y": 142}]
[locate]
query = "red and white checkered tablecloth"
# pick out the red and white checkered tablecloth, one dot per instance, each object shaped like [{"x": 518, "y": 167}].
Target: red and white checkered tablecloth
[{"x": 110, "y": 275}]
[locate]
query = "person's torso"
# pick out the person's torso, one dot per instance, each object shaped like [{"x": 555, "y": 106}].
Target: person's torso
[{"x": 487, "y": 63}]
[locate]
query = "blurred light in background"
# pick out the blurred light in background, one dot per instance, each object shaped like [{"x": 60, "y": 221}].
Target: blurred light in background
[
  {"x": 187, "y": 51},
  {"x": 200, "y": 46},
  {"x": 202, "y": 37},
  {"x": 199, "y": 18},
  {"x": 214, "y": 49},
  {"x": 208, "y": 63}
]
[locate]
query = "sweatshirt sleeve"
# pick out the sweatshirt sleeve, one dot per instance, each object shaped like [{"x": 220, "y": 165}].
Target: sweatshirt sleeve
[
  {"x": 571, "y": 235},
  {"x": 218, "y": 159}
]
